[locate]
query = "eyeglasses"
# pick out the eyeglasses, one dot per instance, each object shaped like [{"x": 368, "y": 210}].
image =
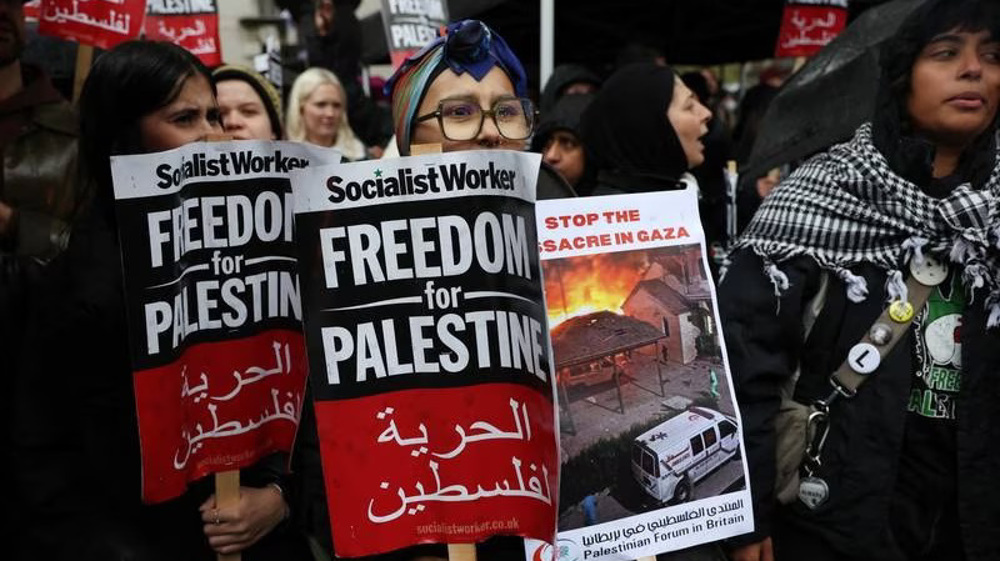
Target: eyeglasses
[{"x": 462, "y": 119}]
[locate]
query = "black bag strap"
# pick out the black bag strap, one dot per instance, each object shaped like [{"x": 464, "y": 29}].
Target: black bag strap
[{"x": 862, "y": 363}]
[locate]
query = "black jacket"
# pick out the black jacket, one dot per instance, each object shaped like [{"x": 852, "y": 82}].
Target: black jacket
[
  {"x": 764, "y": 339},
  {"x": 563, "y": 76}
]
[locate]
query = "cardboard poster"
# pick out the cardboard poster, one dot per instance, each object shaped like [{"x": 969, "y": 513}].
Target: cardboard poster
[
  {"x": 650, "y": 442},
  {"x": 101, "y": 23},
  {"x": 808, "y": 25},
  {"x": 411, "y": 24},
  {"x": 212, "y": 298},
  {"x": 428, "y": 352},
  {"x": 192, "y": 24}
]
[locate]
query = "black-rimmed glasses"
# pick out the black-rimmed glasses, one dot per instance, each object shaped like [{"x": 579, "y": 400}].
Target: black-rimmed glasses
[{"x": 462, "y": 119}]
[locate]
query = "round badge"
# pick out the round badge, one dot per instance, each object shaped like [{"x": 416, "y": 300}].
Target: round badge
[
  {"x": 929, "y": 272},
  {"x": 880, "y": 334},
  {"x": 863, "y": 358},
  {"x": 901, "y": 312}
]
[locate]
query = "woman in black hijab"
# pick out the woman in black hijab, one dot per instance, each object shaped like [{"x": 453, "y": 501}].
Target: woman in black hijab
[{"x": 645, "y": 130}]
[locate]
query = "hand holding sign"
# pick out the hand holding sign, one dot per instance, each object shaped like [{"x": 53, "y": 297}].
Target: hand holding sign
[{"x": 231, "y": 529}]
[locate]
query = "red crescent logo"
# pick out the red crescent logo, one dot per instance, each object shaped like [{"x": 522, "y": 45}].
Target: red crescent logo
[{"x": 538, "y": 553}]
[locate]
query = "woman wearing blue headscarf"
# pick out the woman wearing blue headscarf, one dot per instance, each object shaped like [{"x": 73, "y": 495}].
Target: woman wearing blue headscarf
[
  {"x": 444, "y": 93},
  {"x": 466, "y": 90}
]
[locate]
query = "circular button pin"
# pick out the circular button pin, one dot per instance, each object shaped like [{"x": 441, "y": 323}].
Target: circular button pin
[
  {"x": 929, "y": 272},
  {"x": 863, "y": 358},
  {"x": 880, "y": 334},
  {"x": 901, "y": 312}
]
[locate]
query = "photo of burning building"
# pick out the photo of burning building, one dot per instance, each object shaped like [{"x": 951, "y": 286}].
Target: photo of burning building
[{"x": 635, "y": 342}]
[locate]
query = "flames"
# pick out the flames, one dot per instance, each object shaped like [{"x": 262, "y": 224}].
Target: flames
[{"x": 577, "y": 286}]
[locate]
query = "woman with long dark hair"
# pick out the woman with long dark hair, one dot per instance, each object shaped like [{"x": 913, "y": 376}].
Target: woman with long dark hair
[{"x": 76, "y": 421}]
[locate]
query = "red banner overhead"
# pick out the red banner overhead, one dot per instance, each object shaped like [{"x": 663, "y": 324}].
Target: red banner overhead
[
  {"x": 101, "y": 23},
  {"x": 192, "y": 24},
  {"x": 808, "y": 25}
]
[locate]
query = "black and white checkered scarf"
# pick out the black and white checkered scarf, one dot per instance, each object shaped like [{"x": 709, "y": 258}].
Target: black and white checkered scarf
[{"x": 846, "y": 206}]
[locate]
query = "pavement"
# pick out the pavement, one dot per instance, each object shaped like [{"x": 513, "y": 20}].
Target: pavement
[{"x": 597, "y": 412}]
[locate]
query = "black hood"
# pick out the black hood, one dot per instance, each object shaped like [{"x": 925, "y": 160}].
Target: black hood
[
  {"x": 565, "y": 115},
  {"x": 627, "y": 130},
  {"x": 562, "y": 76}
]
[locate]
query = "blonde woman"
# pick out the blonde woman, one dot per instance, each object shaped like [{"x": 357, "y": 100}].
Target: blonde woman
[{"x": 317, "y": 113}]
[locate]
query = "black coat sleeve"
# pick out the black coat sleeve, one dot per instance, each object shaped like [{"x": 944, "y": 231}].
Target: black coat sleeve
[{"x": 764, "y": 339}]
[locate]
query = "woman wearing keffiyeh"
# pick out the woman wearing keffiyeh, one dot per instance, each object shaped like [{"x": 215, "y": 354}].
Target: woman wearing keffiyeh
[{"x": 909, "y": 461}]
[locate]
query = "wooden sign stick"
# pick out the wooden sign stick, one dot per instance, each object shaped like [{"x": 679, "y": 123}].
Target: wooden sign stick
[
  {"x": 421, "y": 149},
  {"x": 84, "y": 58},
  {"x": 227, "y": 483},
  {"x": 227, "y": 493},
  {"x": 461, "y": 552},
  {"x": 647, "y": 558}
]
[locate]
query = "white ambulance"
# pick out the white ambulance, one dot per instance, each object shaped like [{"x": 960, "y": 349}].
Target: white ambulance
[{"x": 669, "y": 458}]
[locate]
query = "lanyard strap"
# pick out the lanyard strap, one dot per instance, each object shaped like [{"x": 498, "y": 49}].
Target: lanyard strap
[
  {"x": 865, "y": 357},
  {"x": 862, "y": 362}
]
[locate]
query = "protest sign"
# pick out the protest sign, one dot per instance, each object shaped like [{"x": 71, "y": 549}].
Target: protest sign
[
  {"x": 428, "y": 354},
  {"x": 650, "y": 440},
  {"x": 411, "y": 24},
  {"x": 268, "y": 63},
  {"x": 808, "y": 25},
  {"x": 32, "y": 9},
  {"x": 98, "y": 23},
  {"x": 192, "y": 24},
  {"x": 212, "y": 297}
]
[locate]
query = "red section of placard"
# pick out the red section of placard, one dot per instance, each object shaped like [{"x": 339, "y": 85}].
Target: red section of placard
[
  {"x": 407, "y": 472},
  {"x": 807, "y": 29},
  {"x": 32, "y": 9},
  {"x": 199, "y": 415},
  {"x": 198, "y": 33},
  {"x": 101, "y": 23}
]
